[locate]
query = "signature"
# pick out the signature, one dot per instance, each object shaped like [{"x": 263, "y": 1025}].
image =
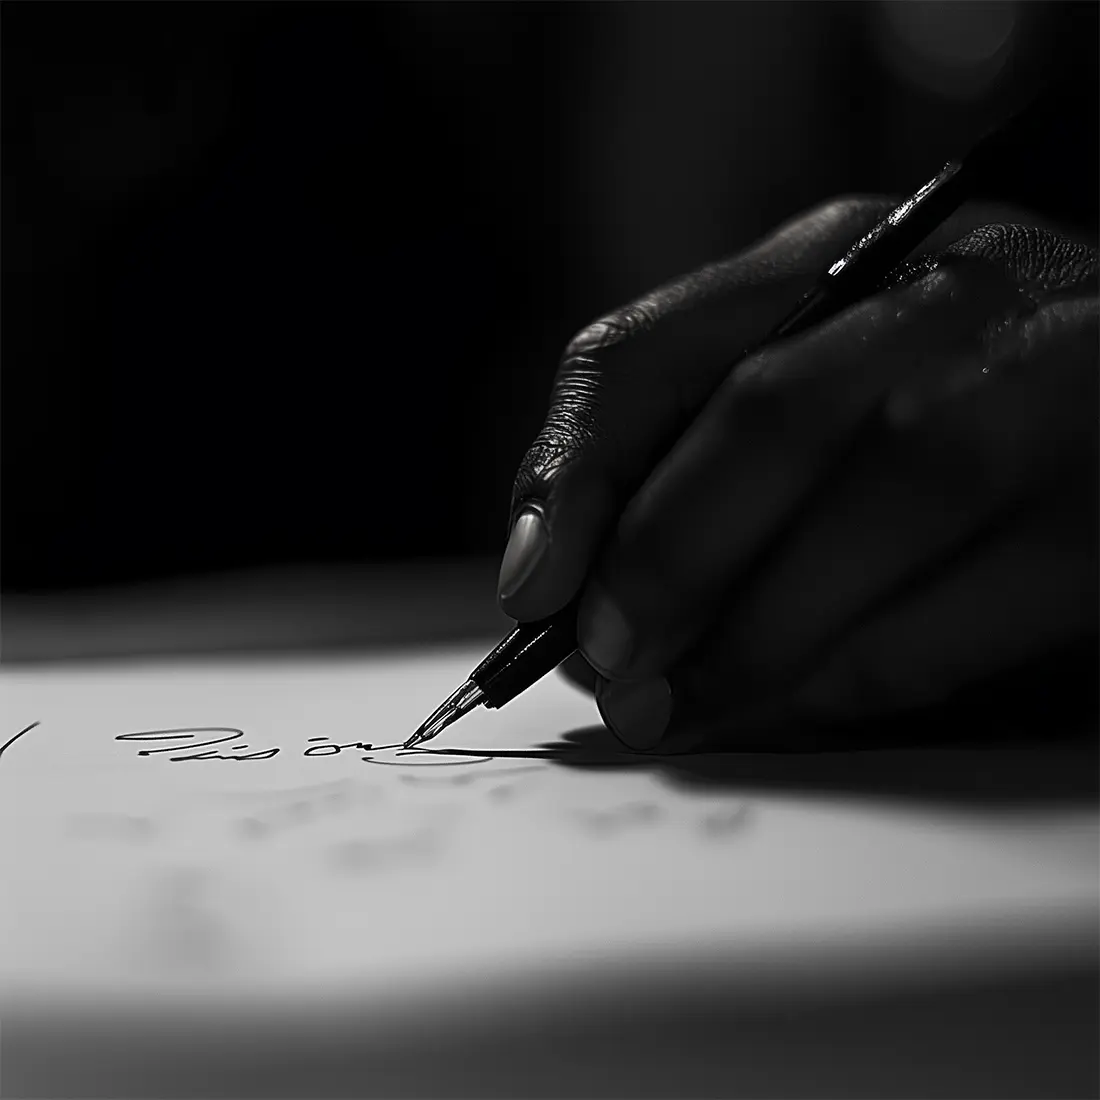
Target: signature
[
  {"x": 189, "y": 743},
  {"x": 229, "y": 746},
  {"x": 187, "y": 733}
]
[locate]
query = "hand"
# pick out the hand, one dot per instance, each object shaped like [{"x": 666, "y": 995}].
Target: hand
[{"x": 860, "y": 520}]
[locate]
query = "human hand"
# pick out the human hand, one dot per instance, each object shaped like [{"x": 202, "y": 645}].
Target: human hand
[{"x": 859, "y": 520}]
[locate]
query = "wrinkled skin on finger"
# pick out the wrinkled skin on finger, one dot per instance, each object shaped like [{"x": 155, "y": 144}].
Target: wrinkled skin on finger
[
  {"x": 630, "y": 382},
  {"x": 810, "y": 521}
]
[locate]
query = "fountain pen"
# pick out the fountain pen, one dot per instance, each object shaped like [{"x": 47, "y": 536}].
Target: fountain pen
[{"x": 534, "y": 649}]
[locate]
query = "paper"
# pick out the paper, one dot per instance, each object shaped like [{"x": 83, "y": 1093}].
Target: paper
[{"x": 266, "y": 845}]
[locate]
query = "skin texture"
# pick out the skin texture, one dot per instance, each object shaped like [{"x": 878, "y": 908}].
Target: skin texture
[{"x": 863, "y": 520}]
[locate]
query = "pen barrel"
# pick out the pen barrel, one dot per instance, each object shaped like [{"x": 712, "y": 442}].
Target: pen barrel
[
  {"x": 864, "y": 267},
  {"x": 525, "y": 656}
]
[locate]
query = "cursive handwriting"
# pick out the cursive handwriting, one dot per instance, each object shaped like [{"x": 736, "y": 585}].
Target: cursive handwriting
[
  {"x": 186, "y": 733},
  {"x": 11, "y": 740},
  {"x": 333, "y": 749},
  {"x": 183, "y": 743}
]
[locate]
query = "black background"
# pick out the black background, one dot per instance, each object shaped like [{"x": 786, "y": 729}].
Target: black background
[{"x": 288, "y": 282}]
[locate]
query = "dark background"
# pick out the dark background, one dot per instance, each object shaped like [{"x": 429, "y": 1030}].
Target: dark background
[{"x": 287, "y": 283}]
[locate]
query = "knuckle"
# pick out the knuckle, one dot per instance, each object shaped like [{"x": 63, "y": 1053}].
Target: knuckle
[
  {"x": 579, "y": 424},
  {"x": 937, "y": 281},
  {"x": 944, "y": 284},
  {"x": 574, "y": 404},
  {"x": 535, "y": 473},
  {"x": 563, "y": 458},
  {"x": 841, "y": 208},
  {"x": 591, "y": 339},
  {"x": 989, "y": 242},
  {"x": 611, "y": 330},
  {"x": 848, "y": 209},
  {"x": 1030, "y": 255},
  {"x": 573, "y": 425}
]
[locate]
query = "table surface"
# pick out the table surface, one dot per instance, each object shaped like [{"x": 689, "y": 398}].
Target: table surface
[
  {"x": 1030, "y": 1032},
  {"x": 291, "y": 609}
]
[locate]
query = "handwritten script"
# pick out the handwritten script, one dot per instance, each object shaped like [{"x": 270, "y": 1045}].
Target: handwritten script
[
  {"x": 189, "y": 743},
  {"x": 226, "y": 743},
  {"x": 11, "y": 740}
]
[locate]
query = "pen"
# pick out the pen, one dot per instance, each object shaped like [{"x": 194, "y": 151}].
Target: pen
[{"x": 534, "y": 649}]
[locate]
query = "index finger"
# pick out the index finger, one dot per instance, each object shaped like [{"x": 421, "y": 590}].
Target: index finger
[{"x": 629, "y": 383}]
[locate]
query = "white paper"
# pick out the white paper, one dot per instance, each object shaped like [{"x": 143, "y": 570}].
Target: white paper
[{"x": 139, "y": 878}]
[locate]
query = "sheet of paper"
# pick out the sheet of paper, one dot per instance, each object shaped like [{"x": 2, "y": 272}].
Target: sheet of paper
[{"x": 236, "y": 829}]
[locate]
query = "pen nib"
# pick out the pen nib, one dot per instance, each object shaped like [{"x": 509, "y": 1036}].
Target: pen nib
[{"x": 450, "y": 710}]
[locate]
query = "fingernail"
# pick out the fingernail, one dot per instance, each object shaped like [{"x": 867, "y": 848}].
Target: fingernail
[
  {"x": 603, "y": 633},
  {"x": 526, "y": 547},
  {"x": 636, "y": 711}
]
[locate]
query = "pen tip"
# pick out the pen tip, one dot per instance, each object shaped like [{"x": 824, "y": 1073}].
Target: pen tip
[{"x": 452, "y": 708}]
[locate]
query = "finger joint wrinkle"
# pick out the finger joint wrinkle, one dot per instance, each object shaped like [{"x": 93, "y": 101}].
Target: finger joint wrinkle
[
  {"x": 544, "y": 458},
  {"x": 1031, "y": 255},
  {"x": 610, "y": 330},
  {"x": 579, "y": 383}
]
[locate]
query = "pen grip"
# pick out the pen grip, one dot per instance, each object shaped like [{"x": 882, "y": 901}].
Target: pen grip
[{"x": 526, "y": 655}]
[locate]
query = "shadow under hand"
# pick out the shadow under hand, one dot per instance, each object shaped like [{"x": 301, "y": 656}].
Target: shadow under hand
[
  {"x": 1024, "y": 738},
  {"x": 590, "y": 747},
  {"x": 1005, "y": 774}
]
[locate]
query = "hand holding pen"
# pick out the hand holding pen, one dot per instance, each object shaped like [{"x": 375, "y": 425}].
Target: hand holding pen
[{"x": 753, "y": 521}]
